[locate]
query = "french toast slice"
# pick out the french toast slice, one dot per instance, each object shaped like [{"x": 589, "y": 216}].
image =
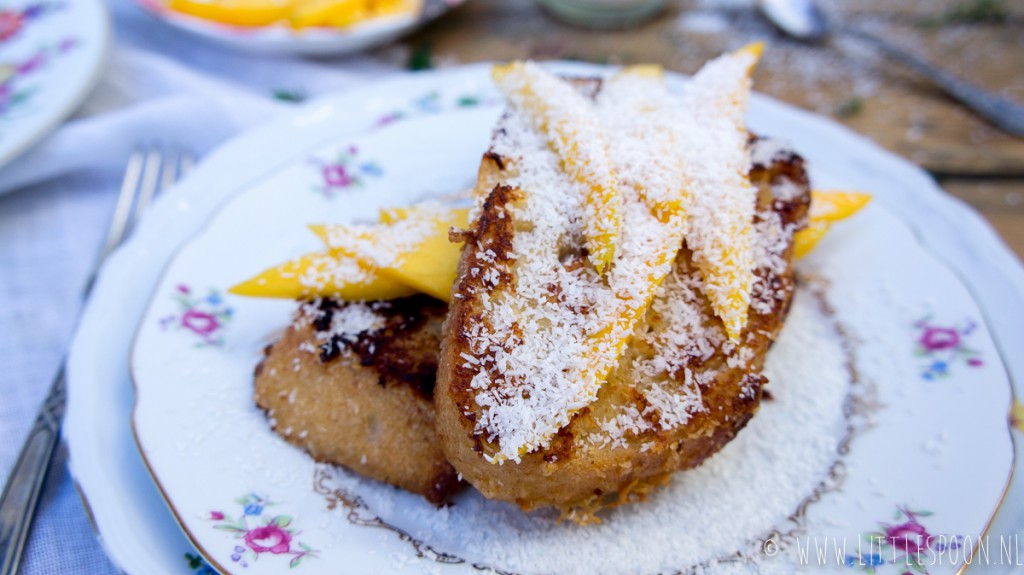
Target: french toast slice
[
  {"x": 363, "y": 398},
  {"x": 352, "y": 384},
  {"x": 681, "y": 390}
]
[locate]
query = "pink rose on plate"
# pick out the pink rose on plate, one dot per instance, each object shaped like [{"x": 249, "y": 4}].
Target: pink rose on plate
[
  {"x": 939, "y": 338},
  {"x": 200, "y": 322},
  {"x": 335, "y": 176},
  {"x": 269, "y": 538},
  {"x": 10, "y": 24},
  {"x": 910, "y": 537}
]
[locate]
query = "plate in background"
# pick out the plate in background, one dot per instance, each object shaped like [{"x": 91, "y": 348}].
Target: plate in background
[
  {"x": 51, "y": 55},
  {"x": 280, "y": 39}
]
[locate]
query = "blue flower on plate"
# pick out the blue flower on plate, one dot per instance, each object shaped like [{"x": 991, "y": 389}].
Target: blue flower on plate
[
  {"x": 429, "y": 103},
  {"x": 254, "y": 509},
  {"x": 872, "y": 560},
  {"x": 371, "y": 169}
]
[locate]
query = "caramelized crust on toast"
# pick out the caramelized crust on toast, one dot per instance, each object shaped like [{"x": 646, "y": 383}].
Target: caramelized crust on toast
[
  {"x": 362, "y": 399},
  {"x": 680, "y": 392}
]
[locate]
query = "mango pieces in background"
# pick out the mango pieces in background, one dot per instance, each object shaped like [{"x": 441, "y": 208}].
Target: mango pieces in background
[
  {"x": 343, "y": 13},
  {"x": 248, "y": 13},
  {"x": 298, "y": 14},
  {"x": 826, "y": 207}
]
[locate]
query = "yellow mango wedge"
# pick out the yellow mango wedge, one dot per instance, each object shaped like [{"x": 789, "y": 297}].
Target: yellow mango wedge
[
  {"x": 568, "y": 120},
  {"x": 431, "y": 266},
  {"x": 644, "y": 71},
  {"x": 639, "y": 94},
  {"x": 335, "y": 273},
  {"x": 310, "y": 13},
  {"x": 299, "y": 14},
  {"x": 1017, "y": 415},
  {"x": 427, "y": 265},
  {"x": 827, "y": 207},
  {"x": 722, "y": 200},
  {"x": 246, "y": 13},
  {"x": 835, "y": 205},
  {"x": 325, "y": 275},
  {"x": 651, "y": 77},
  {"x": 392, "y": 215},
  {"x": 805, "y": 239}
]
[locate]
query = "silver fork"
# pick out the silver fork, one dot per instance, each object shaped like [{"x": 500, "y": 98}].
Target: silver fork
[{"x": 150, "y": 170}]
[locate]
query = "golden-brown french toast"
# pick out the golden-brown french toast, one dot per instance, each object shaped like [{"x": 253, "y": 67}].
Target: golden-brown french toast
[
  {"x": 682, "y": 388},
  {"x": 362, "y": 398},
  {"x": 352, "y": 384}
]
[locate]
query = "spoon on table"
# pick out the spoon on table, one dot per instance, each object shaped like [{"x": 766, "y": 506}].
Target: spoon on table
[{"x": 803, "y": 20}]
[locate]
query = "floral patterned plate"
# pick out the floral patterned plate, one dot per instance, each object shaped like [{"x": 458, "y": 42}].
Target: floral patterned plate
[
  {"x": 916, "y": 460},
  {"x": 51, "y": 55},
  {"x": 279, "y": 39}
]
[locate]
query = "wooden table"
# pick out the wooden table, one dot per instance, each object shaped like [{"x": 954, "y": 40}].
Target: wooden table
[{"x": 980, "y": 40}]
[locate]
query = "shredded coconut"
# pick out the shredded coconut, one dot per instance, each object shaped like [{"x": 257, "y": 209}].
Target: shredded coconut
[
  {"x": 351, "y": 320},
  {"x": 732, "y": 501},
  {"x": 574, "y": 132},
  {"x": 769, "y": 150},
  {"x": 721, "y": 209},
  {"x": 347, "y": 321},
  {"x": 548, "y": 343},
  {"x": 367, "y": 246},
  {"x": 317, "y": 272},
  {"x": 554, "y": 337}
]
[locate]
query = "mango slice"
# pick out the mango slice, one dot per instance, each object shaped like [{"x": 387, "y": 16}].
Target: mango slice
[
  {"x": 246, "y": 13},
  {"x": 338, "y": 272},
  {"x": 721, "y": 206},
  {"x": 427, "y": 263},
  {"x": 574, "y": 134},
  {"x": 323, "y": 274},
  {"x": 299, "y": 14},
  {"x": 827, "y": 207},
  {"x": 644, "y": 71},
  {"x": 392, "y": 215},
  {"x": 432, "y": 265},
  {"x": 310, "y": 13},
  {"x": 805, "y": 239},
  {"x": 644, "y": 99},
  {"x": 630, "y": 102},
  {"x": 835, "y": 205}
]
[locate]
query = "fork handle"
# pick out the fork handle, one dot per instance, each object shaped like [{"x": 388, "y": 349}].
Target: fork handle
[
  {"x": 1004, "y": 113},
  {"x": 25, "y": 485}
]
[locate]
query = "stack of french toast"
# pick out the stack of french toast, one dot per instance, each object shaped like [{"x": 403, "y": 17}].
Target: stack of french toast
[{"x": 596, "y": 321}]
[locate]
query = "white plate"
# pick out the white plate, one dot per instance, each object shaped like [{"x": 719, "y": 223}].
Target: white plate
[
  {"x": 51, "y": 55},
  {"x": 143, "y": 539},
  {"x": 196, "y": 349},
  {"x": 279, "y": 39}
]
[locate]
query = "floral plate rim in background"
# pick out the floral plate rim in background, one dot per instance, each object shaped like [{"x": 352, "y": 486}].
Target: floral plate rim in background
[{"x": 52, "y": 53}]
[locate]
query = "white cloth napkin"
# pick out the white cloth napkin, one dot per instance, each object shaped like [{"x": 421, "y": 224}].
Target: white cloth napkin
[{"x": 162, "y": 85}]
